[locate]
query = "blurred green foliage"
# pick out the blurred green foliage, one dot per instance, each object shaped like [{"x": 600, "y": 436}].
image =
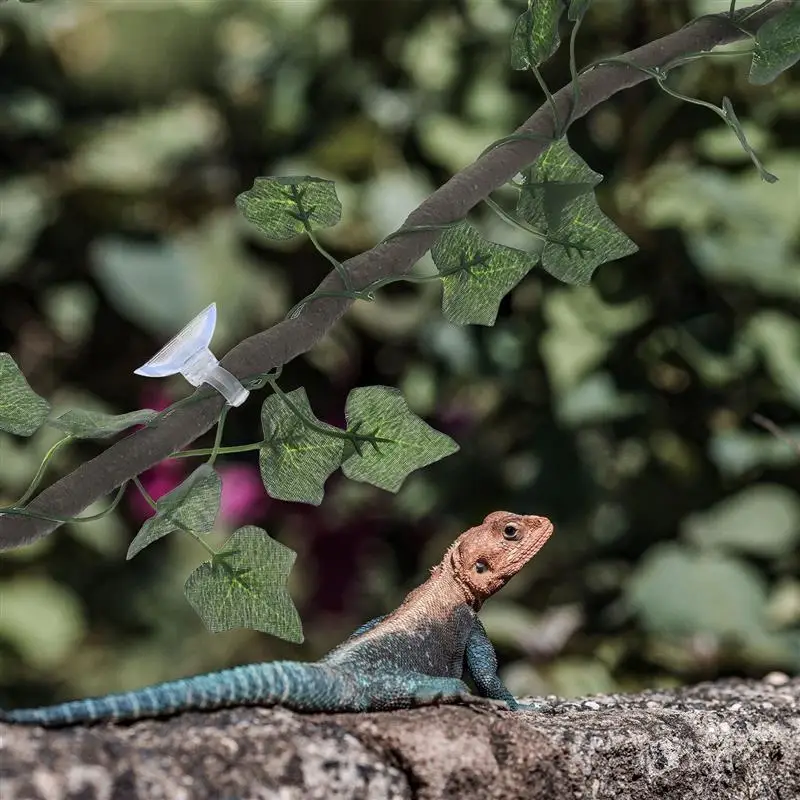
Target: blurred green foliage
[{"x": 621, "y": 409}]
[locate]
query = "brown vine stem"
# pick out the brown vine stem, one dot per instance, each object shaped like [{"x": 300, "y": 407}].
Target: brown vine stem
[{"x": 292, "y": 337}]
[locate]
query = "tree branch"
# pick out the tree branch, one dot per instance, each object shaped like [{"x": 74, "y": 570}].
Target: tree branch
[{"x": 288, "y": 339}]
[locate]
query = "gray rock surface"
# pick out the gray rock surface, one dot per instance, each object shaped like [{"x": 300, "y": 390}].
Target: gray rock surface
[{"x": 732, "y": 740}]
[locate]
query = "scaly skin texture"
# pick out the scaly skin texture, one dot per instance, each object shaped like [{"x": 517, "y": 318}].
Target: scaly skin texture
[{"x": 417, "y": 655}]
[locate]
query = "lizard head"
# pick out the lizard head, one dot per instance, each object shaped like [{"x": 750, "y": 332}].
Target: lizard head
[{"x": 486, "y": 557}]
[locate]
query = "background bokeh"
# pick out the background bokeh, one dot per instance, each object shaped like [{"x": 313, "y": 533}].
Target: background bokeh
[{"x": 621, "y": 410}]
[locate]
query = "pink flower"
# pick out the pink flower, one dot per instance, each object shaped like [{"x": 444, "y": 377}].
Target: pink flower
[{"x": 244, "y": 498}]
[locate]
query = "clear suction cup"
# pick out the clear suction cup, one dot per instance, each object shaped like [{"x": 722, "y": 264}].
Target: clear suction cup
[{"x": 187, "y": 353}]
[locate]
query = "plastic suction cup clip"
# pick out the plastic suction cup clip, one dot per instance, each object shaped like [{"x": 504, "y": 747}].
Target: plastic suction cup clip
[{"x": 187, "y": 353}]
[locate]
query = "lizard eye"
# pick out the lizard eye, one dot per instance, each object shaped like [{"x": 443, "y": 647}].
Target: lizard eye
[
  {"x": 481, "y": 566},
  {"x": 510, "y": 532}
]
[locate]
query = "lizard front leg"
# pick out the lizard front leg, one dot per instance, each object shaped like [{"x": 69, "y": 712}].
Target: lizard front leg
[{"x": 481, "y": 663}]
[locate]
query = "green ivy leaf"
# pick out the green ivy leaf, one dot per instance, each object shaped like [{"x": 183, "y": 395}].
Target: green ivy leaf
[
  {"x": 22, "y": 411},
  {"x": 193, "y": 505},
  {"x": 296, "y": 460},
  {"x": 586, "y": 239},
  {"x": 244, "y": 586},
  {"x": 552, "y": 182},
  {"x": 777, "y": 46},
  {"x": 284, "y": 207},
  {"x": 95, "y": 425},
  {"x": 382, "y": 411},
  {"x": 535, "y": 37},
  {"x": 557, "y": 197},
  {"x": 486, "y": 273}
]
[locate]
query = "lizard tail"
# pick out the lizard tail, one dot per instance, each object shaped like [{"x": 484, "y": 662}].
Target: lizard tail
[{"x": 294, "y": 684}]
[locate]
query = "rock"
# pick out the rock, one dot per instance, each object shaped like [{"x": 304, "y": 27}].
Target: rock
[{"x": 730, "y": 740}]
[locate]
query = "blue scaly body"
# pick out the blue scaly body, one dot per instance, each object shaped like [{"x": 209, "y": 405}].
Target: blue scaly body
[{"x": 417, "y": 655}]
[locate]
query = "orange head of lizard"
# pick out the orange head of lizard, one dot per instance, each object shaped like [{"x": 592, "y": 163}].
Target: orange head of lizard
[{"x": 486, "y": 557}]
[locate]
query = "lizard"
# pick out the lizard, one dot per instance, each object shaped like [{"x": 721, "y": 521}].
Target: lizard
[{"x": 416, "y": 655}]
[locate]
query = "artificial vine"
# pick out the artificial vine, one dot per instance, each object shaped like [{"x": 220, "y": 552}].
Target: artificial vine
[{"x": 244, "y": 582}]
